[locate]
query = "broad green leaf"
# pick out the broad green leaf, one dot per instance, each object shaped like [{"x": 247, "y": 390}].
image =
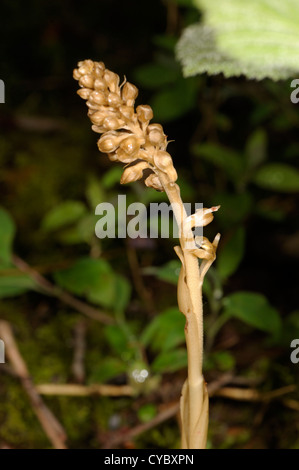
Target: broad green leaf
[
  {"x": 117, "y": 339},
  {"x": 219, "y": 360},
  {"x": 225, "y": 158},
  {"x": 12, "y": 285},
  {"x": 147, "y": 412},
  {"x": 90, "y": 278},
  {"x": 254, "y": 309},
  {"x": 63, "y": 214},
  {"x": 94, "y": 191},
  {"x": 166, "y": 331},
  {"x": 170, "y": 361},
  {"x": 234, "y": 208},
  {"x": 175, "y": 101},
  {"x": 231, "y": 253},
  {"x": 156, "y": 75},
  {"x": 7, "y": 232},
  {"x": 256, "y": 148},
  {"x": 123, "y": 293},
  {"x": 112, "y": 177},
  {"x": 109, "y": 368},
  {"x": 261, "y": 33},
  {"x": 278, "y": 177},
  {"x": 259, "y": 38}
]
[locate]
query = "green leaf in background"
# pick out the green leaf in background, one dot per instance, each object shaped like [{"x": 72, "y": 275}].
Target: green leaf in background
[
  {"x": 94, "y": 191},
  {"x": 234, "y": 208},
  {"x": 123, "y": 293},
  {"x": 231, "y": 253},
  {"x": 91, "y": 278},
  {"x": 175, "y": 100},
  {"x": 170, "y": 361},
  {"x": 112, "y": 177},
  {"x": 259, "y": 38},
  {"x": 107, "y": 370},
  {"x": 277, "y": 177},
  {"x": 156, "y": 75},
  {"x": 169, "y": 272},
  {"x": 256, "y": 148},
  {"x": 63, "y": 214},
  {"x": 147, "y": 412},
  {"x": 117, "y": 339},
  {"x": 227, "y": 159},
  {"x": 254, "y": 309},
  {"x": 7, "y": 233},
  {"x": 166, "y": 330},
  {"x": 12, "y": 285}
]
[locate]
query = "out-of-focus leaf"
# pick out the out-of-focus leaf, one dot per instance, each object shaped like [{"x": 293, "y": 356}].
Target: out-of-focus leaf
[
  {"x": 94, "y": 191},
  {"x": 219, "y": 360},
  {"x": 147, "y": 412},
  {"x": 254, "y": 309},
  {"x": 123, "y": 293},
  {"x": 225, "y": 158},
  {"x": 117, "y": 339},
  {"x": 278, "y": 177},
  {"x": 175, "y": 101},
  {"x": 91, "y": 278},
  {"x": 165, "y": 331},
  {"x": 62, "y": 215},
  {"x": 256, "y": 148},
  {"x": 107, "y": 369},
  {"x": 231, "y": 254},
  {"x": 12, "y": 285},
  {"x": 7, "y": 232},
  {"x": 234, "y": 208},
  {"x": 112, "y": 177},
  {"x": 258, "y": 38},
  {"x": 169, "y": 272},
  {"x": 155, "y": 75},
  {"x": 170, "y": 361}
]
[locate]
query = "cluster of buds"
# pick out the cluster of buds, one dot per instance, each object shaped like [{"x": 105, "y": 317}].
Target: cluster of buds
[{"x": 127, "y": 135}]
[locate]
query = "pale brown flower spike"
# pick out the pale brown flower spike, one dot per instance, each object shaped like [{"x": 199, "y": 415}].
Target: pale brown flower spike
[
  {"x": 129, "y": 138},
  {"x": 127, "y": 135}
]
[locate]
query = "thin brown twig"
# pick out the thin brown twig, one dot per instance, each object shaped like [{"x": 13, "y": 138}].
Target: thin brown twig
[
  {"x": 65, "y": 297},
  {"x": 78, "y": 369},
  {"x": 78, "y": 390},
  {"x": 49, "y": 423}
]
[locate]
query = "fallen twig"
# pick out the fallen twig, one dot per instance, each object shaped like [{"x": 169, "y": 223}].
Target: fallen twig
[
  {"x": 77, "y": 390},
  {"x": 50, "y": 424}
]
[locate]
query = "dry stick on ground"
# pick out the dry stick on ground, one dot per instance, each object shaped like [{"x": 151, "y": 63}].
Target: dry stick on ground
[
  {"x": 50, "y": 424},
  {"x": 77, "y": 390},
  {"x": 78, "y": 369},
  {"x": 65, "y": 297}
]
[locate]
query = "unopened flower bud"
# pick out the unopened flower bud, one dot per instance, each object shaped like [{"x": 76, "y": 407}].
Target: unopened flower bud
[
  {"x": 98, "y": 129},
  {"x": 152, "y": 181},
  {"x": 129, "y": 93},
  {"x": 133, "y": 173},
  {"x": 144, "y": 113},
  {"x": 86, "y": 81},
  {"x": 127, "y": 111},
  {"x": 99, "y": 69},
  {"x": 108, "y": 142},
  {"x": 156, "y": 135},
  {"x": 85, "y": 67},
  {"x": 112, "y": 123},
  {"x": 112, "y": 80},
  {"x": 130, "y": 145},
  {"x": 114, "y": 99},
  {"x": 100, "y": 84},
  {"x": 84, "y": 93},
  {"x": 163, "y": 161},
  {"x": 98, "y": 97},
  {"x": 97, "y": 117},
  {"x": 123, "y": 157}
]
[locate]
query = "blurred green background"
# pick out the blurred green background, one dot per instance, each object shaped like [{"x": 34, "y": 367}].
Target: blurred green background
[{"x": 235, "y": 143}]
